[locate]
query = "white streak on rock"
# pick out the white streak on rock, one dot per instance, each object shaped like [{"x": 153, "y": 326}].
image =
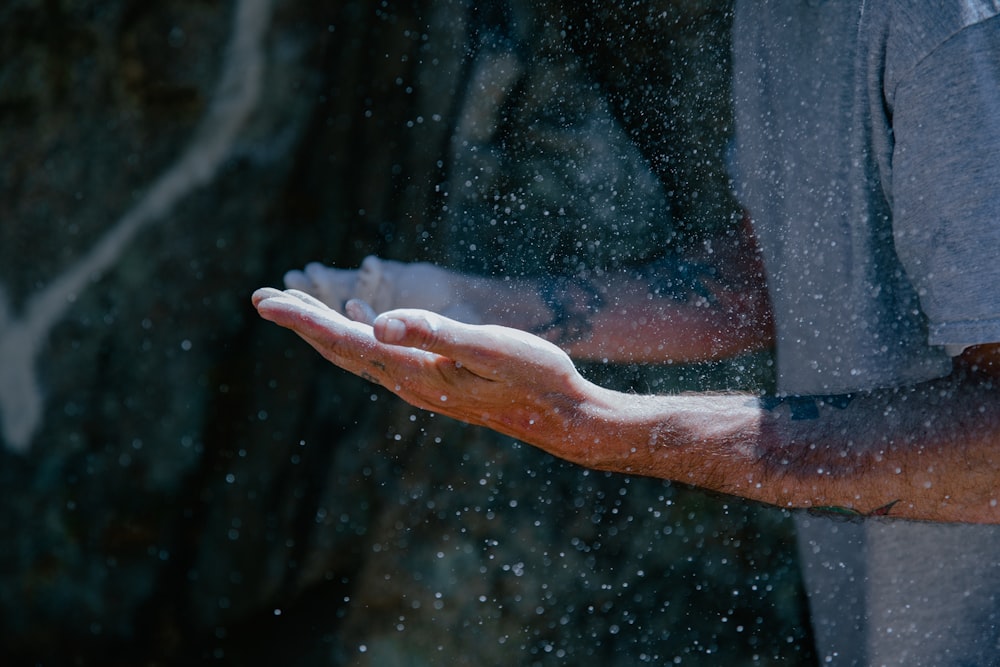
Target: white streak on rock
[{"x": 23, "y": 338}]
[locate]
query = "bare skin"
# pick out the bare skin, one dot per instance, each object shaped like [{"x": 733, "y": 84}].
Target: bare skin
[
  {"x": 927, "y": 452},
  {"x": 634, "y": 324}
]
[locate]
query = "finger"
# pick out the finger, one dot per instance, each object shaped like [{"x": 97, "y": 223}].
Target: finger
[
  {"x": 421, "y": 377},
  {"x": 360, "y": 311},
  {"x": 482, "y": 349},
  {"x": 264, "y": 293},
  {"x": 307, "y": 298},
  {"x": 332, "y": 286},
  {"x": 297, "y": 280},
  {"x": 370, "y": 280},
  {"x": 295, "y": 310},
  {"x": 348, "y": 344}
]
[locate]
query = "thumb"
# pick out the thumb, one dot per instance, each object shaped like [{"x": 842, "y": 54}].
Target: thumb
[
  {"x": 480, "y": 347},
  {"x": 411, "y": 328}
]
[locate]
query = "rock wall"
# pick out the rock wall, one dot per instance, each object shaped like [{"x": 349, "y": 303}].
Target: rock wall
[{"x": 185, "y": 483}]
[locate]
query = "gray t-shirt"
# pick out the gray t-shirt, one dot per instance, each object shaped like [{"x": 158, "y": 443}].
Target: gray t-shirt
[{"x": 868, "y": 155}]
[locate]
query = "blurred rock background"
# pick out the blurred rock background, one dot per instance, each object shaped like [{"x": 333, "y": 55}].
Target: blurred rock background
[{"x": 185, "y": 484}]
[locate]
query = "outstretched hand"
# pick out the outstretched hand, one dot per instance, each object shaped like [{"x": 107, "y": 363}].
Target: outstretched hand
[
  {"x": 493, "y": 376},
  {"x": 386, "y": 285}
]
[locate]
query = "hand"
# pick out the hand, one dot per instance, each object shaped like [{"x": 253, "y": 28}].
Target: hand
[
  {"x": 385, "y": 285},
  {"x": 502, "y": 378}
]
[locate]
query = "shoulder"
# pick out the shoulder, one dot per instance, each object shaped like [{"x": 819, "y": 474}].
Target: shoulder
[{"x": 911, "y": 31}]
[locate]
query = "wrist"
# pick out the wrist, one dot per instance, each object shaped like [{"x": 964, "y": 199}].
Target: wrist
[
  {"x": 611, "y": 433},
  {"x": 571, "y": 302}
]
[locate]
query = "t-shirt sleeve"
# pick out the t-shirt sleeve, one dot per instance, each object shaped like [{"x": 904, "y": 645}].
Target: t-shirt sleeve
[{"x": 946, "y": 184}]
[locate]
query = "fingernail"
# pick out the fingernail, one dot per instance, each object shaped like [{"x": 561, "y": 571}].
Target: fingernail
[{"x": 393, "y": 330}]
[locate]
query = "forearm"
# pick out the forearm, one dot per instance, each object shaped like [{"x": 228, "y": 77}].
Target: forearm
[
  {"x": 708, "y": 304},
  {"x": 621, "y": 319},
  {"x": 927, "y": 452},
  {"x": 930, "y": 452},
  {"x": 711, "y": 303},
  {"x": 651, "y": 328}
]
